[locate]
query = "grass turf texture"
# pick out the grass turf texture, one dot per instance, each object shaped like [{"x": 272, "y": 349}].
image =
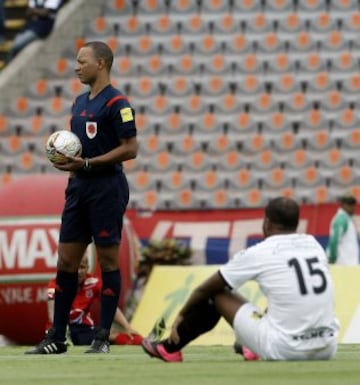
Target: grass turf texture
[{"x": 128, "y": 365}]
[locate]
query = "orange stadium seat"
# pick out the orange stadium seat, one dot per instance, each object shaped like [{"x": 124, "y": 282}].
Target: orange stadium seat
[
  {"x": 153, "y": 143},
  {"x": 250, "y": 64},
  {"x": 309, "y": 176},
  {"x": 176, "y": 180},
  {"x": 196, "y": 161},
  {"x": 210, "y": 180},
  {"x": 178, "y": 86},
  {"x": 195, "y": 105},
  {"x": 271, "y": 43},
  {"x": 214, "y": 85},
  {"x": 184, "y": 65},
  {"x": 160, "y": 105},
  {"x": 185, "y": 199},
  {"x": 298, "y": 102},
  {"x": 243, "y": 122},
  {"x": 242, "y": 179},
  {"x": 265, "y": 160},
  {"x": 187, "y": 144},
  {"x": 121, "y": 7},
  {"x": 250, "y": 84},
  {"x": 351, "y": 139},
  {"x": 286, "y": 142},
  {"x": 279, "y": 6},
  {"x": 345, "y": 176},
  {"x": 252, "y": 144},
  {"x": 276, "y": 178},
  {"x": 231, "y": 161},
  {"x": 348, "y": 117},
  {"x": 184, "y": 6},
  {"x": 145, "y": 87},
  {"x": 174, "y": 44},
  {"x": 154, "y": 65},
  {"x": 324, "y": 22},
  {"x": 221, "y": 198},
  {"x": 344, "y": 61},
  {"x": 320, "y": 82},
  {"x": 286, "y": 84},
  {"x": 332, "y": 158},
  {"x": 282, "y": 63},
  {"x": 291, "y": 23},
  {"x": 259, "y": 23},
  {"x": 225, "y": 24},
  {"x": 3, "y": 125},
  {"x": 343, "y": 6},
  {"x": 253, "y": 197},
  {"x": 162, "y": 161},
  {"x": 222, "y": 143},
  {"x": 238, "y": 43},
  {"x": 303, "y": 42},
  {"x": 352, "y": 22},
  {"x": 164, "y": 25},
  {"x": 320, "y": 140},
  {"x": 141, "y": 180},
  {"x": 215, "y": 6},
  {"x": 334, "y": 41},
  {"x": 312, "y": 63},
  {"x": 264, "y": 103},
  {"x": 132, "y": 26},
  {"x": 208, "y": 45},
  {"x": 152, "y": 7},
  {"x": 194, "y": 25},
  {"x": 312, "y": 6}
]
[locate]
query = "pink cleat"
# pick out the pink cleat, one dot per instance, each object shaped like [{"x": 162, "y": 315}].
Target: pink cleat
[
  {"x": 157, "y": 350},
  {"x": 249, "y": 355}
]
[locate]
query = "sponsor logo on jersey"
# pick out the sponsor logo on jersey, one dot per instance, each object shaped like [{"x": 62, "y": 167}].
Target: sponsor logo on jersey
[
  {"x": 91, "y": 129},
  {"x": 126, "y": 114}
]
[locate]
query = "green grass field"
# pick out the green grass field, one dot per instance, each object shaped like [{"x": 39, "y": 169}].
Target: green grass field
[{"x": 128, "y": 365}]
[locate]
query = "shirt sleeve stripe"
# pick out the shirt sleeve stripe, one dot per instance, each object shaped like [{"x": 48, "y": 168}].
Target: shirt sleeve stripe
[{"x": 115, "y": 99}]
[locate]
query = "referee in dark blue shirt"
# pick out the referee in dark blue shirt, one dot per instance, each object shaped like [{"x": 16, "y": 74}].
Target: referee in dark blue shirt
[{"x": 96, "y": 196}]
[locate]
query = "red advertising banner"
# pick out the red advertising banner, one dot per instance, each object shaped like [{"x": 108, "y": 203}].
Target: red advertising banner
[{"x": 215, "y": 235}]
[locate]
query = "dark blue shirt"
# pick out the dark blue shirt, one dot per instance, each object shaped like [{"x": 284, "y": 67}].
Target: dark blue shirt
[{"x": 101, "y": 123}]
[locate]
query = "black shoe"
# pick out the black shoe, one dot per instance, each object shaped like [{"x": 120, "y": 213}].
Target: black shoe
[
  {"x": 49, "y": 345},
  {"x": 101, "y": 343}
]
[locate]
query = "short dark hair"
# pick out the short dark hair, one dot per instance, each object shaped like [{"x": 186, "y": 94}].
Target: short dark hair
[
  {"x": 283, "y": 212},
  {"x": 348, "y": 198},
  {"x": 102, "y": 51}
]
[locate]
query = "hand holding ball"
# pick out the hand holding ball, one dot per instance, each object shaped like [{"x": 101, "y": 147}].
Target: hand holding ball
[{"x": 61, "y": 144}]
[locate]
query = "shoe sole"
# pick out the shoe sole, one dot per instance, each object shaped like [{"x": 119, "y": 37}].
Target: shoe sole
[{"x": 149, "y": 350}]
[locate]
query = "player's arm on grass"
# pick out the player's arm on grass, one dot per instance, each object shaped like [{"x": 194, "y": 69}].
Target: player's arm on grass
[{"x": 120, "y": 319}]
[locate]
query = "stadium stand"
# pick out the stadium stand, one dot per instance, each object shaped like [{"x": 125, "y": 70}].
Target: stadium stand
[{"x": 236, "y": 101}]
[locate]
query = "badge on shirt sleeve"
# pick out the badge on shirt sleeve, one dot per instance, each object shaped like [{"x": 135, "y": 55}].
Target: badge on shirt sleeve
[
  {"x": 126, "y": 114},
  {"x": 91, "y": 129}
]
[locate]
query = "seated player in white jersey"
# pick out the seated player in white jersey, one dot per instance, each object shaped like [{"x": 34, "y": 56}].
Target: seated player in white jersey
[{"x": 292, "y": 272}]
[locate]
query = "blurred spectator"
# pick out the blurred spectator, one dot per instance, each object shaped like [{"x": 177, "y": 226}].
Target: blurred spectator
[
  {"x": 343, "y": 247},
  {"x": 41, "y": 15},
  {"x": 81, "y": 324}
]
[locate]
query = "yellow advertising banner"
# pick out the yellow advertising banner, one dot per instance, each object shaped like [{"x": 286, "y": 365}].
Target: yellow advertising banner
[{"x": 169, "y": 286}]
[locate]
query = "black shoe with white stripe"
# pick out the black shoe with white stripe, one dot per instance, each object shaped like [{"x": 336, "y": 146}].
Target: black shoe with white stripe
[
  {"x": 101, "y": 343},
  {"x": 49, "y": 345}
]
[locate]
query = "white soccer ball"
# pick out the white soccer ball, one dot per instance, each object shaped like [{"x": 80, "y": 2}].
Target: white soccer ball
[{"x": 61, "y": 144}]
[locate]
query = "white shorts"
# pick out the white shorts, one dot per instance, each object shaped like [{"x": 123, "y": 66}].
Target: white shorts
[{"x": 262, "y": 338}]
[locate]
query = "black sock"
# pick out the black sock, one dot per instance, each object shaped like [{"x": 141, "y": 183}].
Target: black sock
[
  {"x": 65, "y": 292},
  {"x": 198, "y": 321},
  {"x": 110, "y": 293}
]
